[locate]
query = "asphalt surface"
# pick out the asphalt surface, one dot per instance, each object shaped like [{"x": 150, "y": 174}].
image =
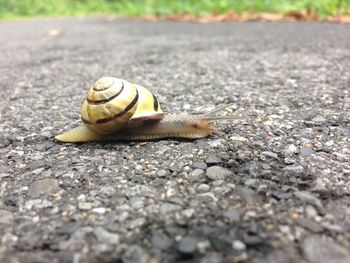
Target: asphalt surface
[{"x": 274, "y": 188}]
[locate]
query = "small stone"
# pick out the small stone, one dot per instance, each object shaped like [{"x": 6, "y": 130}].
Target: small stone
[
  {"x": 307, "y": 197},
  {"x": 197, "y": 175},
  {"x": 238, "y": 245},
  {"x": 232, "y": 215},
  {"x": 81, "y": 197},
  {"x": 310, "y": 225},
  {"x": 137, "y": 202},
  {"x": 318, "y": 249},
  {"x": 161, "y": 240},
  {"x": 84, "y": 205},
  {"x": 270, "y": 155},
  {"x": 306, "y": 151},
  {"x": 135, "y": 254},
  {"x": 258, "y": 144},
  {"x": 319, "y": 120},
  {"x": 319, "y": 186},
  {"x": 187, "y": 245},
  {"x": 251, "y": 182},
  {"x": 44, "y": 186},
  {"x": 32, "y": 203},
  {"x": 213, "y": 159},
  {"x": 216, "y": 142},
  {"x": 310, "y": 211},
  {"x": 4, "y": 175},
  {"x": 68, "y": 229},
  {"x": 8, "y": 238},
  {"x": 203, "y": 246},
  {"x": 238, "y": 139},
  {"x": 290, "y": 149},
  {"x": 162, "y": 173},
  {"x": 10, "y": 200},
  {"x": 108, "y": 190},
  {"x": 3, "y": 169},
  {"x": 105, "y": 236},
  {"x": 175, "y": 168},
  {"x": 166, "y": 208},
  {"x": 333, "y": 228},
  {"x": 200, "y": 165},
  {"x": 6, "y": 217},
  {"x": 294, "y": 170},
  {"x": 99, "y": 210},
  {"x": 217, "y": 173},
  {"x": 203, "y": 188}
]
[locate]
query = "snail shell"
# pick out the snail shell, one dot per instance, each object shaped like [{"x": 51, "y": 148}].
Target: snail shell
[{"x": 113, "y": 104}]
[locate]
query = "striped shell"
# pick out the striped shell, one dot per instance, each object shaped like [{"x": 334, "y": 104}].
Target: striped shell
[{"x": 113, "y": 104}]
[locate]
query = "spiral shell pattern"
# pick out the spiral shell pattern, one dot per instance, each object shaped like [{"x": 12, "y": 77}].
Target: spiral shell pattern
[{"x": 113, "y": 104}]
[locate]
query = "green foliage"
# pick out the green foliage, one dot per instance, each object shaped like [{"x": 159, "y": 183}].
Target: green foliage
[{"x": 25, "y": 8}]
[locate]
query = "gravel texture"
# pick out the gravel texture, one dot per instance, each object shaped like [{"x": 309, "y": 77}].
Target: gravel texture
[{"x": 274, "y": 188}]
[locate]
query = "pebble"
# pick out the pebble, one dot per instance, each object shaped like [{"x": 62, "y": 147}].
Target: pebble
[
  {"x": 310, "y": 225},
  {"x": 8, "y": 238},
  {"x": 105, "y": 236},
  {"x": 44, "y": 186},
  {"x": 187, "y": 245},
  {"x": 319, "y": 186},
  {"x": 259, "y": 144},
  {"x": 161, "y": 240},
  {"x": 232, "y": 215},
  {"x": 307, "y": 197},
  {"x": 175, "y": 168},
  {"x": 290, "y": 149},
  {"x": 4, "y": 175},
  {"x": 6, "y": 217},
  {"x": 238, "y": 139},
  {"x": 294, "y": 170},
  {"x": 3, "y": 169},
  {"x": 99, "y": 210},
  {"x": 310, "y": 211},
  {"x": 251, "y": 182},
  {"x": 319, "y": 120},
  {"x": 216, "y": 142},
  {"x": 84, "y": 205},
  {"x": 203, "y": 188},
  {"x": 32, "y": 203},
  {"x": 217, "y": 173},
  {"x": 162, "y": 173},
  {"x": 68, "y": 229},
  {"x": 10, "y": 200},
  {"x": 318, "y": 249},
  {"x": 213, "y": 159},
  {"x": 306, "y": 151},
  {"x": 238, "y": 245},
  {"x": 108, "y": 190},
  {"x": 135, "y": 254},
  {"x": 197, "y": 175},
  {"x": 270, "y": 155},
  {"x": 199, "y": 165},
  {"x": 166, "y": 208}
]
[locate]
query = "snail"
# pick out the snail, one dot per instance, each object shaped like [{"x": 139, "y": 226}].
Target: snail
[{"x": 117, "y": 110}]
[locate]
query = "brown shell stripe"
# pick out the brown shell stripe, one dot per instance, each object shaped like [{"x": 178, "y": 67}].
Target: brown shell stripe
[
  {"x": 155, "y": 103},
  {"x": 127, "y": 108},
  {"x": 98, "y": 102}
]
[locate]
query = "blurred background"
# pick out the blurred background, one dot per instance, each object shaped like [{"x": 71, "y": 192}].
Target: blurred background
[{"x": 320, "y": 9}]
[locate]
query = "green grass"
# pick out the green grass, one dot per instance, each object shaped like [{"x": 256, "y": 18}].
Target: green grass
[{"x": 30, "y": 8}]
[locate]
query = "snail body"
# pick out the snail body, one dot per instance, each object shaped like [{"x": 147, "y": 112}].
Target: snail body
[{"x": 117, "y": 110}]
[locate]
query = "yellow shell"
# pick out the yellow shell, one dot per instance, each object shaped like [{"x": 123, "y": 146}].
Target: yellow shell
[{"x": 113, "y": 104}]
